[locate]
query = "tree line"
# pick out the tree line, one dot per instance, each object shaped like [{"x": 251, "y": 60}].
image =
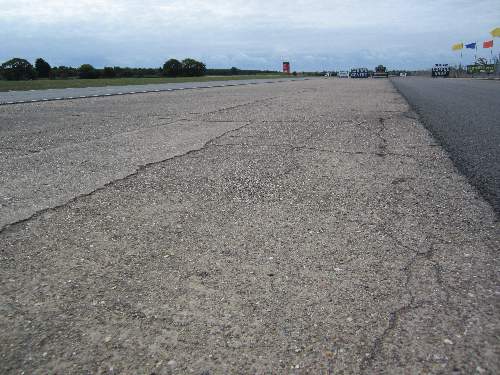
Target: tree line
[{"x": 18, "y": 69}]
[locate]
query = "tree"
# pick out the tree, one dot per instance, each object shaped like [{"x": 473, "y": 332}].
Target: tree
[
  {"x": 88, "y": 71},
  {"x": 234, "y": 71},
  {"x": 42, "y": 68},
  {"x": 17, "y": 69},
  {"x": 64, "y": 71},
  {"x": 108, "y": 72},
  {"x": 191, "y": 67},
  {"x": 172, "y": 68}
]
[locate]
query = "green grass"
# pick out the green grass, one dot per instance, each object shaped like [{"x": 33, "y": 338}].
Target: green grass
[{"x": 43, "y": 84}]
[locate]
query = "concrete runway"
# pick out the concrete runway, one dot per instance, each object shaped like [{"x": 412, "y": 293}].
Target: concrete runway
[
  {"x": 300, "y": 227},
  {"x": 464, "y": 115},
  {"x": 33, "y": 96}
]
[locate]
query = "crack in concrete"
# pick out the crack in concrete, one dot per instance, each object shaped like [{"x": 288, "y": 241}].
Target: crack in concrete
[
  {"x": 235, "y": 107},
  {"x": 143, "y": 166},
  {"x": 25, "y": 152},
  {"x": 382, "y": 146},
  {"x": 139, "y": 169},
  {"x": 298, "y": 148},
  {"x": 395, "y": 316}
]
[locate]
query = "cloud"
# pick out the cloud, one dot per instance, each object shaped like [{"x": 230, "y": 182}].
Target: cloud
[{"x": 248, "y": 34}]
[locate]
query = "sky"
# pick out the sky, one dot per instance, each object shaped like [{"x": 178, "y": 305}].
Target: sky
[{"x": 249, "y": 34}]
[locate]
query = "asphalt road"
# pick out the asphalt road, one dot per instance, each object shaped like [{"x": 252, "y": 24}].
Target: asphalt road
[
  {"x": 300, "y": 227},
  {"x": 20, "y": 97},
  {"x": 464, "y": 115}
]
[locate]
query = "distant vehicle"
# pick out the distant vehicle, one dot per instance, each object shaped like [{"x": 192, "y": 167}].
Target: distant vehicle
[
  {"x": 343, "y": 74},
  {"x": 359, "y": 73},
  {"x": 441, "y": 70},
  {"x": 402, "y": 74},
  {"x": 380, "y": 72}
]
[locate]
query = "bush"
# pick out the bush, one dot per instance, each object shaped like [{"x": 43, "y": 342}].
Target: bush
[
  {"x": 108, "y": 72},
  {"x": 193, "y": 68},
  {"x": 17, "y": 69},
  {"x": 88, "y": 71},
  {"x": 236, "y": 71},
  {"x": 64, "y": 72},
  {"x": 42, "y": 68},
  {"x": 172, "y": 68}
]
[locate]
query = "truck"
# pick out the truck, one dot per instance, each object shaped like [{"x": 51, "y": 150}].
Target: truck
[{"x": 380, "y": 72}]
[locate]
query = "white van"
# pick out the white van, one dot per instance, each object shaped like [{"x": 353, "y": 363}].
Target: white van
[{"x": 343, "y": 74}]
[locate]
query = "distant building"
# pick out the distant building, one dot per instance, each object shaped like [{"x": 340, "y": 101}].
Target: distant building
[{"x": 286, "y": 67}]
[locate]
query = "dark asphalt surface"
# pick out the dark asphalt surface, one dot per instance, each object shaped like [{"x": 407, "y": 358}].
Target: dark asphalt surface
[
  {"x": 464, "y": 115},
  {"x": 33, "y": 96}
]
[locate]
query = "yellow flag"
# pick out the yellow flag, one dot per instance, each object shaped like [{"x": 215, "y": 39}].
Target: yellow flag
[
  {"x": 457, "y": 46},
  {"x": 495, "y": 32}
]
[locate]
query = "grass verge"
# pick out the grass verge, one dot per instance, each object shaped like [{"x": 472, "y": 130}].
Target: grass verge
[{"x": 43, "y": 84}]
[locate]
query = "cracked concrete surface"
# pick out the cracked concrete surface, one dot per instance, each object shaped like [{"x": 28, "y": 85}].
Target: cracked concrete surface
[
  {"x": 308, "y": 227},
  {"x": 52, "y": 162}
]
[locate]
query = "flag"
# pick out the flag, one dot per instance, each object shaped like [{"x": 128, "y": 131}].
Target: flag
[
  {"x": 488, "y": 44},
  {"x": 471, "y": 45},
  {"x": 495, "y": 31},
  {"x": 457, "y": 46}
]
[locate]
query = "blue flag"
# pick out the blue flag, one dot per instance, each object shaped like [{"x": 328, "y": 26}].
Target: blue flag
[{"x": 471, "y": 45}]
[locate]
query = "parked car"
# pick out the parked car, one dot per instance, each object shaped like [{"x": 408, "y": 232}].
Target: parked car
[{"x": 343, "y": 74}]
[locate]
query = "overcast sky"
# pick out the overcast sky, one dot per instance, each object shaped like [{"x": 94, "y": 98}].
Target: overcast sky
[{"x": 259, "y": 34}]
